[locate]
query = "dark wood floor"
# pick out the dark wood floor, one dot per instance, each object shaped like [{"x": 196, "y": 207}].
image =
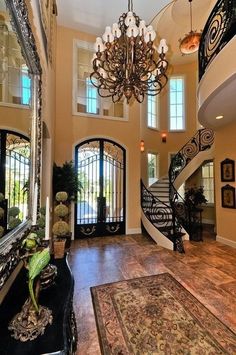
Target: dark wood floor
[{"x": 207, "y": 270}]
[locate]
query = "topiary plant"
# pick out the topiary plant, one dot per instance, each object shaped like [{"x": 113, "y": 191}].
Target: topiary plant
[
  {"x": 13, "y": 220},
  {"x": 61, "y": 211},
  {"x": 41, "y": 223},
  {"x": 13, "y": 211},
  {"x": 61, "y": 196},
  {"x": 61, "y": 229}
]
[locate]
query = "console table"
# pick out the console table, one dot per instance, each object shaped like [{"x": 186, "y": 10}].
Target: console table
[{"x": 60, "y": 337}]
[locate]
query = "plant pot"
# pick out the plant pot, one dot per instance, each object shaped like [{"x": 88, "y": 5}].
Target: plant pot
[{"x": 59, "y": 249}]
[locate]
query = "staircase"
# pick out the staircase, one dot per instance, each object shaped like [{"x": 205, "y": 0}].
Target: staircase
[
  {"x": 165, "y": 214},
  {"x": 160, "y": 189}
]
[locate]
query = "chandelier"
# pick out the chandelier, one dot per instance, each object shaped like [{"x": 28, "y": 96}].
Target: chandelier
[
  {"x": 190, "y": 43},
  {"x": 126, "y": 61}
]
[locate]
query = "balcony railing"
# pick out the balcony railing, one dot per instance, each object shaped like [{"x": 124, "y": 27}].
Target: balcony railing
[{"x": 218, "y": 31}]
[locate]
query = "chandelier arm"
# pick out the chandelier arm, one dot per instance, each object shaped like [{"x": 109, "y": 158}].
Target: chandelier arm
[{"x": 126, "y": 63}]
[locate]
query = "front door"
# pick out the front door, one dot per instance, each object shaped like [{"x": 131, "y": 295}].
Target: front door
[{"x": 100, "y": 207}]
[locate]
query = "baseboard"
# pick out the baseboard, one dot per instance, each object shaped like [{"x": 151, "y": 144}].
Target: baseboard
[
  {"x": 133, "y": 231},
  {"x": 208, "y": 221},
  {"x": 229, "y": 242}
]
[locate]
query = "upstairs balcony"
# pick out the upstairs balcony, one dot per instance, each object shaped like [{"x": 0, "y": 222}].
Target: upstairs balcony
[{"x": 217, "y": 67}]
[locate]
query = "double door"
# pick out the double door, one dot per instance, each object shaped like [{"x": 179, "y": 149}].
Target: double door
[{"x": 100, "y": 205}]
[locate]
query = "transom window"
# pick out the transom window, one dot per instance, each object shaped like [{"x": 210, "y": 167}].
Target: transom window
[
  {"x": 208, "y": 181},
  {"x": 15, "y": 83},
  {"x": 153, "y": 168},
  {"x": 86, "y": 99},
  {"x": 176, "y": 102}
]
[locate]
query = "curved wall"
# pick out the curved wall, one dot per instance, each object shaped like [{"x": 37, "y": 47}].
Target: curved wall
[{"x": 216, "y": 90}]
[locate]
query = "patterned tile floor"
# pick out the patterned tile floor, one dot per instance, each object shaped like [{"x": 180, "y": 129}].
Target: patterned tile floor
[{"x": 207, "y": 270}]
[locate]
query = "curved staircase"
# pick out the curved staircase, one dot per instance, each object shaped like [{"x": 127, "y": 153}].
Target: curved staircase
[{"x": 165, "y": 215}]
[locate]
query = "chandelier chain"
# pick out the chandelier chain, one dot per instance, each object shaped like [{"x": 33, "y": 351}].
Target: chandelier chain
[
  {"x": 130, "y": 5},
  {"x": 126, "y": 63},
  {"x": 191, "y": 16}
]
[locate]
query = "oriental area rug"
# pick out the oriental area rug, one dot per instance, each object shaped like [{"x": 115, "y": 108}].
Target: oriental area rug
[{"x": 157, "y": 315}]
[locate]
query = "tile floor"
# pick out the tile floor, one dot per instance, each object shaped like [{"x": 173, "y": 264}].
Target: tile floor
[{"x": 207, "y": 270}]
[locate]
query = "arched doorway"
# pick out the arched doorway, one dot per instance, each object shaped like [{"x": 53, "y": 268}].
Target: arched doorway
[
  {"x": 14, "y": 177},
  {"x": 100, "y": 205}
]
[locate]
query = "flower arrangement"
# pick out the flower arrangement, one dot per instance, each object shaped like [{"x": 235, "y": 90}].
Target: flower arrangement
[
  {"x": 31, "y": 242},
  {"x": 194, "y": 196}
]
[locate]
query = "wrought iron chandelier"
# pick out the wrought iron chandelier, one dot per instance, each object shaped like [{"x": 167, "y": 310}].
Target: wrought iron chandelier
[
  {"x": 126, "y": 61},
  {"x": 190, "y": 43}
]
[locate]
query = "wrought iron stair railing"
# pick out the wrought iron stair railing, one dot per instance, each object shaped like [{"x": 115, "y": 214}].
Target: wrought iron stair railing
[
  {"x": 160, "y": 214},
  {"x": 218, "y": 31},
  {"x": 201, "y": 141}
]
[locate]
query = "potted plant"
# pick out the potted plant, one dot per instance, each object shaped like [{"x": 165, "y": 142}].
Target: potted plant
[
  {"x": 194, "y": 197},
  {"x": 65, "y": 179},
  {"x": 61, "y": 230}
]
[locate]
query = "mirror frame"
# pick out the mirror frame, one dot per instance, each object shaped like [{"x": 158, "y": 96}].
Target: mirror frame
[{"x": 11, "y": 242}]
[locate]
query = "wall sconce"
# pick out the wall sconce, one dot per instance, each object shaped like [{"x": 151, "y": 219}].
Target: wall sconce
[
  {"x": 163, "y": 137},
  {"x": 142, "y": 148}
]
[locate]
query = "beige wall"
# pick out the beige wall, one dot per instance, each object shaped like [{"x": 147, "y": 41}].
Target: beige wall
[
  {"x": 225, "y": 147},
  {"x": 70, "y": 130},
  {"x": 175, "y": 140},
  {"x": 15, "y": 119}
]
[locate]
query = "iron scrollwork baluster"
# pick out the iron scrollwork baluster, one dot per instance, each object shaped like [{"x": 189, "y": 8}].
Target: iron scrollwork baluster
[
  {"x": 202, "y": 140},
  {"x": 218, "y": 31}
]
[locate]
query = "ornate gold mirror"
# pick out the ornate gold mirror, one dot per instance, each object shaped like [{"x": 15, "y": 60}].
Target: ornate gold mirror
[{"x": 20, "y": 131}]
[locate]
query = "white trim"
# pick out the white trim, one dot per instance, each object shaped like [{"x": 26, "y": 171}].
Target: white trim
[
  {"x": 225, "y": 241},
  {"x": 184, "y": 103},
  {"x": 157, "y": 113},
  {"x": 133, "y": 231},
  {"x": 208, "y": 221},
  {"x": 22, "y": 107},
  {"x": 90, "y": 115},
  {"x": 157, "y": 172}
]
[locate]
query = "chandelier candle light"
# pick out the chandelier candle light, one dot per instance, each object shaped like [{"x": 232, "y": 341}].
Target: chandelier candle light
[{"x": 126, "y": 61}]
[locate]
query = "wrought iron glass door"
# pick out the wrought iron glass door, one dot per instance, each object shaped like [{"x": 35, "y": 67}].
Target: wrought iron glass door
[
  {"x": 100, "y": 207},
  {"x": 14, "y": 178}
]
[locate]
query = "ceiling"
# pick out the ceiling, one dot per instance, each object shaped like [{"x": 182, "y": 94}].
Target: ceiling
[
  {"x": 92, "y": 16},
  {"x": 171, "y": 19}
]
